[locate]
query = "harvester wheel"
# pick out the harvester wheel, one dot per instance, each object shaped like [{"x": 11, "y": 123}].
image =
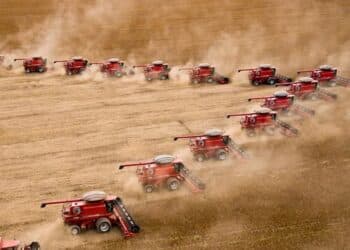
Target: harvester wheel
[
  {"x": 195, "y": 81},
  {"x": 148, "y": 188},
  {"x": 199, "y": 157},
  {"x": 332, "y": 84},
  {"x": 75, "y": 230},
  {"x": 256, "y": 83},
  {"x": 163, "y": 77},
  {"x": 27, "y": 70},
  {"x": 118, "y": 74},
  {"x": 221, "y": 155},
  {"x": 271, "y": 81},
  {"x": 251, "y": 132},
  {"x": 173, "y": 184},
  {"x": 34, "y": 246},
  {"x": 210, "y": 80},
  {"x": 270, "y": 131},
  {"x": 41, "y": 70},
  {"x": 103, "y": 225}
]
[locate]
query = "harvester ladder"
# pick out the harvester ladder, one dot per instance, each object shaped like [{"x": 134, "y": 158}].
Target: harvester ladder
[
  {"x": 127, "y": 224},
  {"x": 326, "y": 95},
  {"x": 286, "y": 126},
  {"x": 345, "y": 82},
  {"x": 196, "y": 184},
  {"x": 302, "y": 110},
  {"x": 235, "y": 148}
]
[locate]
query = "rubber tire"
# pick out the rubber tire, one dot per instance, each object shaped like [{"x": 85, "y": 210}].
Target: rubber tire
[
  {"x": 118, "y": 74},
  {"x": 34, "y": 246},
  {"x": 27, "y": 70},
  {"x": 41, "y": 70},
  {"x": 210, "y": 80},
  {"x": 271, "y": 81},
  {"x": 163, "y": 77},
  {"x": 173, "y": 184},
  {"x": 103, "y": 225},
  {"x": 221, "y": 155},
  {"x": 149, "y": 79},
  {"x": 199, "y": 157},
  {"x": 255, "y": 83},
  {"x": 148, "y": 188},
  {"x": 69, "y": 73},
  {"x": 75, "y": 230},
  {"x": 195, "y": 81},
  {"x": 250, "y": 133}
]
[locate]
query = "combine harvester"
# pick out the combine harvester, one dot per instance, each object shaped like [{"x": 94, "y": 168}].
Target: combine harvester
[
  {"x": 283, "y": 102},
  {"x": 203, "y": 73},
  {"x": 112, "y": 67},
  {"x": 265, "y": 74},
  {"x": 264, "y": 120},
  {"x": 35, "y": 64},
  {"x": 96, "y": 210},
  {"x": 157, "y": 70},
  {"x": 213, "y": 144},
  {"x": 326, "y": 74},
  {"x": 164, "y": 170},
  {"x": 74, "y": 66},
  {"x": 15, "y": 245},
  {"x": 307, "y": 88}
]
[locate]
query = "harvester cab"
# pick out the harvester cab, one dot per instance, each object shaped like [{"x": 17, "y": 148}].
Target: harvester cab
[
  {"x": 307, "y": 88},
  {"x": 282, "y": 101},
  {"x": 264, "y": 120},
  {"x": 204, "y": 72},
  {"x": 34, "y": 64},
  {"x": 164, "y": 170},
  {"x": 265, "y": 74},
  {"x": 96, "y": 210},
  {"x": 15, "y": 245},
  {"x": 328, "y": 75},
  {"x": 213, "y": 144}
]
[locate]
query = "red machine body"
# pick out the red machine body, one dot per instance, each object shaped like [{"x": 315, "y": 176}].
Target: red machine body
[
  {"x": 264, "y": 120},
  {"x": 97, "y": 210},
  {"x": 74, "y": 66},
  {"x": 112, "y": 67},
  {"x": 282, "y": 101},
  {"x": 34, "y": 64},
  {"x": 204, "y": 72},
  {"x": 157, "y": 70},
  {"x": 164, "y": 170},
  {"x": 307, "y": 88},
  {"x": 213, "y": 144},
  {"x": 265, "y": 74},
  {"x": 15, "y": 245},
  {"x": 326, "y": 74}
]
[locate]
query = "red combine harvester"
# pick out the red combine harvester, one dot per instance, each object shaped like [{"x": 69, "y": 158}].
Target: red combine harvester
[
  {"x": 264, "y": 120},
  {"x": 164, "y": 170},
  {"x": 112, "y": 67},
  {"x": 204, "y": 72},
  {"x": 15, "y": 245},
  {"x": 35, "y": 64},
  {"x": 265, "y": 74},
  {"x": 307, "y": 88},
  {"x": 213, "y": 144},
  {"x": 157, "y": 70},
  {"x": 327, "y": 74},
  {"x": 283, "y": 102},
  {"x": 74, "y": 66},
  {"x": 97, "y": 210}
]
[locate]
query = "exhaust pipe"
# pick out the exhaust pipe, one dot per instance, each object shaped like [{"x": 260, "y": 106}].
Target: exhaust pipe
[
  {"x": 60, "y": 61},
  {"x": 243, "y": 114}
]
